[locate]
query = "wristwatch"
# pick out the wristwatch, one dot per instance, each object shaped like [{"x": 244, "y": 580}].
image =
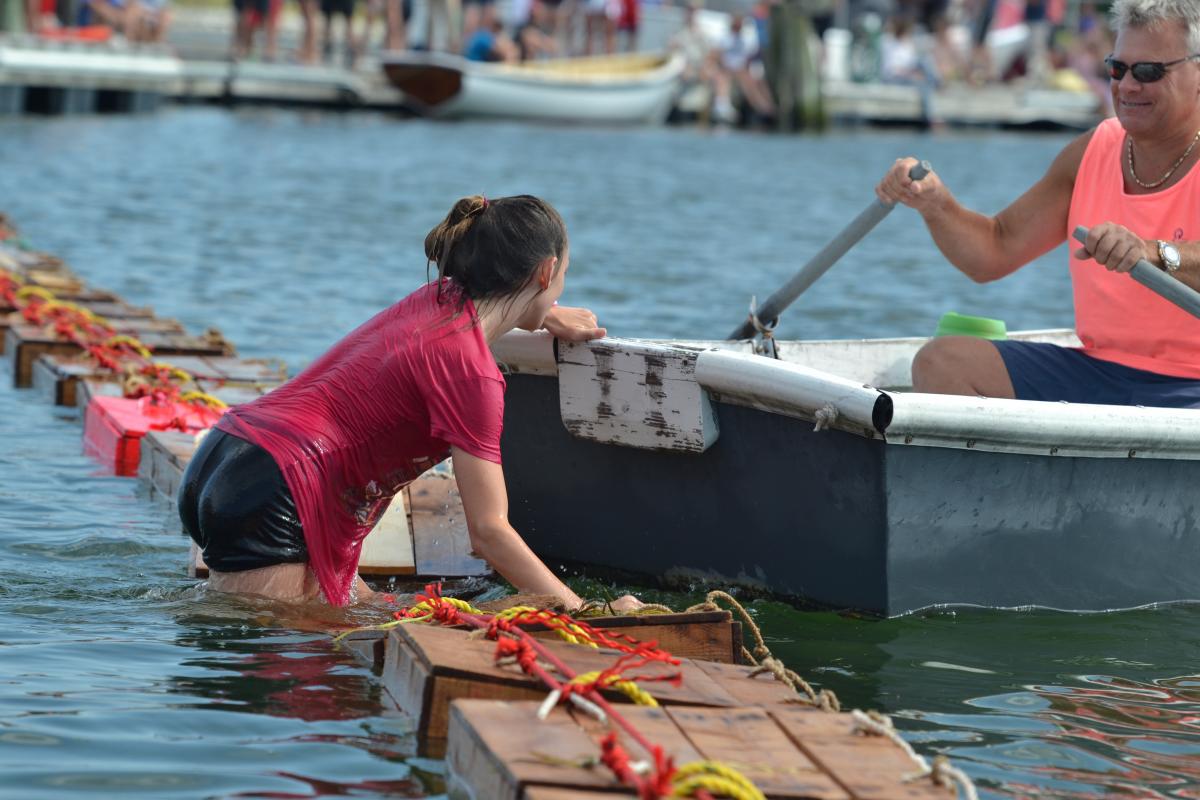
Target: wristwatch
[{"x": 1168, "y": 254}]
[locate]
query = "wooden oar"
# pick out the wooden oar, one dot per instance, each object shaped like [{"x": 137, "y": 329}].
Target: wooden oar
[
  {"x": 769, "y": 311},
  {"x": 1158, "y": 281}
]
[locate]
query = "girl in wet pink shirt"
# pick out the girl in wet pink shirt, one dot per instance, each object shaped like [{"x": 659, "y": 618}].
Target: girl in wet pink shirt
[{"x": 281, "y": 494}]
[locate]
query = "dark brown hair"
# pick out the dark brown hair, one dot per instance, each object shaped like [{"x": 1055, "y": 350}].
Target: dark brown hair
[{"x": 491, "y": 248}]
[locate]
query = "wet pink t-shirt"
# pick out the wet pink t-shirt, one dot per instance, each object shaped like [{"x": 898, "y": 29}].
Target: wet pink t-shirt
[
  {"x": 1118, "y": 319},
  {"x": 373, "y": 413}
]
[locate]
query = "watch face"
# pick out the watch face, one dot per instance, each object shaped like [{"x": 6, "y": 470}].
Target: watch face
[{"x": 1169, "y": 255}]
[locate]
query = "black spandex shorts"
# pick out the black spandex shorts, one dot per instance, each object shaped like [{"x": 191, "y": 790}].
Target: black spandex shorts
[{"x": 235, "y": 504}]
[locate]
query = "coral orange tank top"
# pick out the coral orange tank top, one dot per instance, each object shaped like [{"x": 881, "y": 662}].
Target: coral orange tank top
[{"x": 1118, "y": 319}]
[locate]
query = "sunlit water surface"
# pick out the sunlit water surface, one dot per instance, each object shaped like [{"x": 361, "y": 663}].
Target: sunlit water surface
[{"x": 120, "y": 678}]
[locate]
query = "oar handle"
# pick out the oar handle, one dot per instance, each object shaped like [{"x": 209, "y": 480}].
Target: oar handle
[
  {"x": 769, "y": 311},
  {"x": 918, "y": 171},
  {"x": 1158, "y": 281}
]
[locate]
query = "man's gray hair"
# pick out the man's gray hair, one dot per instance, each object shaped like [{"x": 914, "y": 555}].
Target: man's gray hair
[{"x": 1153, "y": 13}]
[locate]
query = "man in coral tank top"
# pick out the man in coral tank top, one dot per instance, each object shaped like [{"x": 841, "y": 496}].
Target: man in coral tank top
[{"x": 1133, "y": 181}]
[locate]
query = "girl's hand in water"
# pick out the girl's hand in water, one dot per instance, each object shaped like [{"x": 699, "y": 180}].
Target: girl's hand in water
[
  {"x": 572, "y": 324},
  {"x": 626, "y": 603}
]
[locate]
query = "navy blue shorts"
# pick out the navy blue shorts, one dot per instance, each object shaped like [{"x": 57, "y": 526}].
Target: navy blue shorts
[{"x": 1041, "y": 371}]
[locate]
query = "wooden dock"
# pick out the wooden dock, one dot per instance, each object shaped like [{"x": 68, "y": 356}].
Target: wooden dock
[
  {"x": 60, "y": 77},
  {"x": 55, "y": 77}
]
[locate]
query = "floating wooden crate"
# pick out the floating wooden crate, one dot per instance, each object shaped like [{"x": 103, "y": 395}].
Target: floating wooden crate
[
  {"x": 58, "y": 377},
  {"x": 427, "y": 667},
  {"x": 25, "y": 343},
  {"x": 113, "y": 311},
  {"x": 88, "y": 388},
  {"x": 701, "y": 635},
  {"x": 500, "y": 750},
  {"x": 108, "y": 308},
  {"x": 90, "y": 298}
]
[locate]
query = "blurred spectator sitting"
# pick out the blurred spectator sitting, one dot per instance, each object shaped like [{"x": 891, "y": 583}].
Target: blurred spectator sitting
[
  {"x": 981, "y": 69},
  {"x": 950, "y": 58},
  {"x": 691, "y": 43},
  {"x": 136, "y": 20},
  {"x": 491, "y": 43},
  {"x": 903, "y": 62},
  {"x": 533, "y": 37},
  {"x": 740, "y": 65},
  {"x": 477, "y": 15},
  {"x": 699, "y": 63},
  {"x": 1093, "y": 42}
]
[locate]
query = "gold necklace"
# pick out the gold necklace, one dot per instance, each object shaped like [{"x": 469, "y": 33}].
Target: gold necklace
[{"x": 1169, "y": 173}]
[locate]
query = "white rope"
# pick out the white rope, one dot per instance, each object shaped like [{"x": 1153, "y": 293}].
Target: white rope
[
  {"x": 826, "y": 415},
  {"x": 941, "y": 771}
]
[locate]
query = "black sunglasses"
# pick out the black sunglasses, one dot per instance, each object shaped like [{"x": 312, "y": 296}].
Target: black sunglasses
[{"x": 1143, "y": 71}]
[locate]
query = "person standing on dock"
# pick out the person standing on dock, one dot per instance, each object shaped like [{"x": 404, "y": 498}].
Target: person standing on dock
[
  {"x": 1133, "y": 181},
  {"x": 281, "y": 494}
]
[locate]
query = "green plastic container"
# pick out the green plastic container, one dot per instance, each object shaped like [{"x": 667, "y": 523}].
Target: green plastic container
[{"x": 954, "y": 324}]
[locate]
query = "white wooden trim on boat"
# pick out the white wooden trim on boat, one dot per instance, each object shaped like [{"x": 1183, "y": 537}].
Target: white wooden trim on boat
[{"x": 635, "y": 394}]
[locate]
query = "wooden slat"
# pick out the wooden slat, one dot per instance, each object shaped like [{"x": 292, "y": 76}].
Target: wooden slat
[
  {"x": 746, "y": 690},
  {"x": 749, "y": 740},
  {"x": 234, "y": 380},
  {"x": 869, "y": 767},
  {"x": 84, "y": 297},
  {"x": 25, "y": 343}
]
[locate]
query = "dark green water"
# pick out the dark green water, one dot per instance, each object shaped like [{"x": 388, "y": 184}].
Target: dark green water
[{"x": 119, "y": 678}]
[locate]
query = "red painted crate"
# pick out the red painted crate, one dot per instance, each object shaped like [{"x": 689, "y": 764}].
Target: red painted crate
[{"x": 113, "y": 427}]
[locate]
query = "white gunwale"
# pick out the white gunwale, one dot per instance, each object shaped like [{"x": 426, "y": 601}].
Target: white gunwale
[{"x": 794, "y": 387}]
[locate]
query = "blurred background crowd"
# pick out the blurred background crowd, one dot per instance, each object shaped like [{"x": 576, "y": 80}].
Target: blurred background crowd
[{"x": 927, "y": 43}]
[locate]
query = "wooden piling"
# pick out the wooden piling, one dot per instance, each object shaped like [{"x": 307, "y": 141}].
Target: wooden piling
[{"x": 792, "y": 71}]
